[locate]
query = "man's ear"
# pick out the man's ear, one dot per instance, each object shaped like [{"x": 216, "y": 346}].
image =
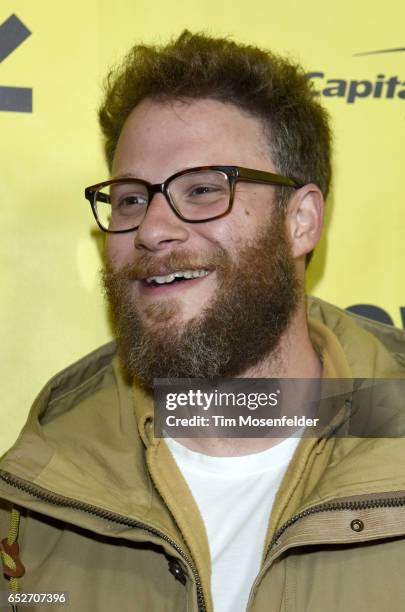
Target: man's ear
[{"x": 305, "y": 219}]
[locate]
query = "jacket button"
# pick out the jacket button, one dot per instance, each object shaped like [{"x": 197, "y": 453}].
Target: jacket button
[
  {"x": 357, "y": 525},
  {"x": 177, "y": 571}
]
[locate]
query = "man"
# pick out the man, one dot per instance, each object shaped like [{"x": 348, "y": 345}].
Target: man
[{"x": 220, "y": 162}]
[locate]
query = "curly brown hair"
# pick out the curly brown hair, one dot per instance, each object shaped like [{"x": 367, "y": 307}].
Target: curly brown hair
[{"x": 269, "y": 87}]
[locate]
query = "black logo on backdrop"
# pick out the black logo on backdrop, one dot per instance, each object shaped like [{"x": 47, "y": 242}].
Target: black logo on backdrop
[
  {"x": 381, "y": 86},
  {"x": 380, "y": 51},
  {"x": 12, "y": 34},
  {"x": 376, "y": 313}
]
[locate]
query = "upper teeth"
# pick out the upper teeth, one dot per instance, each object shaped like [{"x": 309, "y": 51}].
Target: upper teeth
[{"x": 183, "y": 274}]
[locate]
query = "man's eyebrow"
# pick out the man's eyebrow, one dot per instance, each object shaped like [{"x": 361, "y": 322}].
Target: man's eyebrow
[{"x": 124, "y": 176}]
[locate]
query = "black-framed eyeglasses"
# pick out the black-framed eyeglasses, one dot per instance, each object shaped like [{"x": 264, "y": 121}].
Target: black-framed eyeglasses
[{"x": 195, "y": 195}]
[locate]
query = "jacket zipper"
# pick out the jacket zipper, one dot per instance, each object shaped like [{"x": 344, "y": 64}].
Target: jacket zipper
[
  {"x": 329, "y": 507},
  {"x": 366, "y": 504},
  {"x": 66, "y": 502}
]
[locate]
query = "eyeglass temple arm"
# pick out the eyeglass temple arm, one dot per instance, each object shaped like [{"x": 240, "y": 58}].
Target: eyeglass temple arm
[{"x": 267, "y": 177}]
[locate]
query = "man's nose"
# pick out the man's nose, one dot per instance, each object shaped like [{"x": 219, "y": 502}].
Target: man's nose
[{"x": 160, "y": 228}]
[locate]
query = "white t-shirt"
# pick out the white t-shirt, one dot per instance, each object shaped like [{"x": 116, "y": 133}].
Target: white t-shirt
[{"x": 235, "y": 496}]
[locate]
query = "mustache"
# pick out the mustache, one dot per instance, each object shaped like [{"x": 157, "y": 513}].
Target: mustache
[{"x": 150, "y": 265}]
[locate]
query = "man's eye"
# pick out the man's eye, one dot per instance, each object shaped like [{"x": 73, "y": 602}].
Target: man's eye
[
  {"x": 202, "y": 190},
  {"x": 132, "y": 200}
]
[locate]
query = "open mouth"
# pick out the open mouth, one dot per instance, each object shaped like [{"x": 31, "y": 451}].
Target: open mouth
[{"x": 173, "y": 278}]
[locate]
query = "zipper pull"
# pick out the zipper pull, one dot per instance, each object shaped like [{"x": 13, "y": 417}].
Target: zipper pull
[{"x": 10, "y": 555}]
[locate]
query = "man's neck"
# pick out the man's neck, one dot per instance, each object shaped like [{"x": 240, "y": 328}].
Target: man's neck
[{"x": 295, "y": 357}]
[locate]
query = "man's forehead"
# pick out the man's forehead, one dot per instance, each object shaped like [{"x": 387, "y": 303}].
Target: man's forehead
[
  {"x": 191, "y": 112},
  {"x": 177, "y": 134}
]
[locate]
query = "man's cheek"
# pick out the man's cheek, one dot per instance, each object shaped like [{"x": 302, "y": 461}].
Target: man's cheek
[{"x": 119, "y": 250}]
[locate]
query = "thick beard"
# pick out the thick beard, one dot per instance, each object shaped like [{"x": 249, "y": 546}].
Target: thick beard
[{"x": 256, "y": 298}]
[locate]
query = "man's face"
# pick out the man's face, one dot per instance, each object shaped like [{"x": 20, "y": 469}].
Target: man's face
[{"x": 230, "y": 318}]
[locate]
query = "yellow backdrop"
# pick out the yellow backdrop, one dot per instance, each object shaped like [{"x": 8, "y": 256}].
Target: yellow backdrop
[{"x": 54, "y": 55}]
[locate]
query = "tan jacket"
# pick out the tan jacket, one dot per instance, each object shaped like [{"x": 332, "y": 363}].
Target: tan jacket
[{"x": 107, "y": 517}]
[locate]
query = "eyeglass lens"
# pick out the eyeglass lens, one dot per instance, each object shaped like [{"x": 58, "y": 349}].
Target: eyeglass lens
[{"x": 196, "y": 196}]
